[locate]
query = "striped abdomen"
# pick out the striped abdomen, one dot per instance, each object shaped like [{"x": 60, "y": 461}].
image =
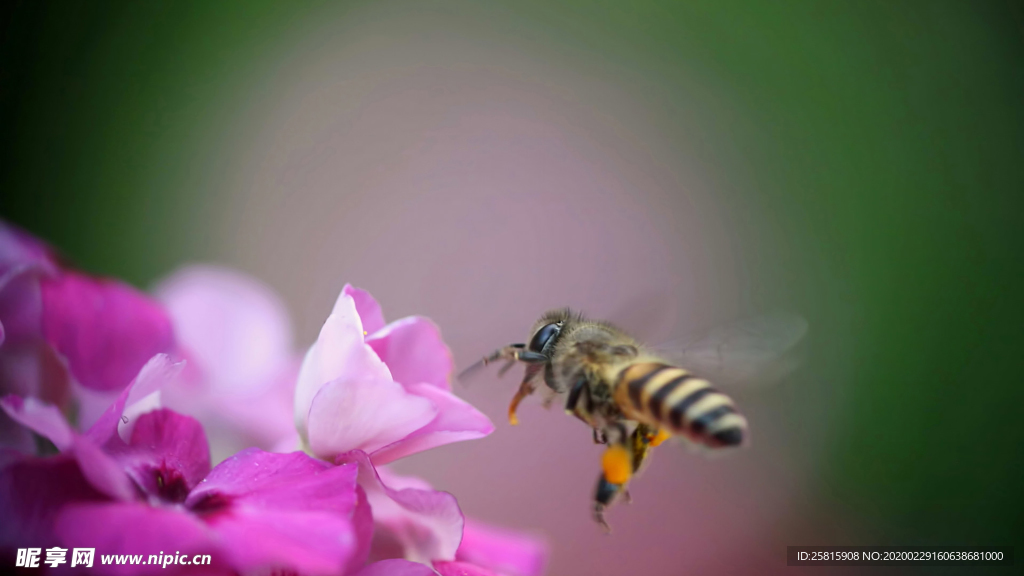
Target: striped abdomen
[{"x": 672, "y": 399}]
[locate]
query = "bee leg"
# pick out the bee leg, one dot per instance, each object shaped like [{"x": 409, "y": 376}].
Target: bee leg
[
  {"x": 526, "y": 387},
  {"x": 640, "y": 442},
  {"x": 507, "y": 353},
  {"x": 603, "y": 498},
  {"x": 617, "y": 468},
  {"x": 580, "y": 391},
  {"x": 599, "y": 437},
  {"x": 626, "y": 496},
  {"x": 508, "y": 365}
]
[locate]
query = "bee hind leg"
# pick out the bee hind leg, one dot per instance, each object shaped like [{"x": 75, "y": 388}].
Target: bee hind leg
[
  {"x": 603, "y": 498},
  {"x": 617, "y": 469}
]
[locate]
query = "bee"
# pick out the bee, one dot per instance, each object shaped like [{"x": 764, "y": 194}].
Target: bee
[{"x": 632, "y": 397}]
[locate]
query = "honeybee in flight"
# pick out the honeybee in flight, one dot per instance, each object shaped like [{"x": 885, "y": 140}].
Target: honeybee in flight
[{"x": 632, "y": 397}]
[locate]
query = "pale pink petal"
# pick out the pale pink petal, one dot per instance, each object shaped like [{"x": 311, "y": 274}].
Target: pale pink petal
[
  {"x": 338, "y": 354},
  {"x": 502, "y": 550},
  {"x": 156, "y": 373},
  {"x": 235, "y": 421},
  {"x": 456, "y": 420},
  {"x": 135, "y": 528},
  {"x": 105, "y": 329},
  {"x": 90, "y": 404},
  {"x": 368, "y": 308},
  {"x": 427, "y": 523},
  {"x": 172, "y": 443},
  {"x": 364, "y": 415},
  {"x": 396, "y": 567},
  {"x": 414, "y": 352},
  {"x": 461, "y": 569},
  {"x": 235, "y": 329},
  {"x": 42, "y": 418}
]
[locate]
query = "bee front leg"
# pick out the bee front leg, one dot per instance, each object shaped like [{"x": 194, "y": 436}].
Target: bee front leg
[{"x": 526, "y": 387}]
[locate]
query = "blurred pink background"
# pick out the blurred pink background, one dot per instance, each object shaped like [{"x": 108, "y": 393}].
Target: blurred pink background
[{"x": 481, "y": 183}]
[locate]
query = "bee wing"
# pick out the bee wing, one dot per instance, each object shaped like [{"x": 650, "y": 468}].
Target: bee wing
[{"x": 753, "y": 352}]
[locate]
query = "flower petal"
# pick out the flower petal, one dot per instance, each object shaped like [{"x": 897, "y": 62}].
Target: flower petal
[
  {"x": 106, "y": 330},
  {"x": 502, "y": 550},
  {"x": 134, "y": 528},
  {"x": 283, "y": 511},
  {"x": 19, "y": 249},
  {"x": 21, "y": 306},
  {"x": 414, "y": 352},
  {"x": 264, "y": 422},
  {"x": 103, "y": 472},
  {"x": 280, "y": 481},
  {"x": 368, "y": 308},
  {"x": 364, "y": 415},
  {"x": 456, "y": 420},
  {"x": 23, "y": 260},
  {"x": 339, "y": 353},
  {"x": 42, "y": 418},
  {"x": 156, "y": 373},
  {"x": 32, "y": 493},
  {"x": 307, "y": 542},
  {"x": 362, "y": 525},
  {"x": 397, "y": 567},
  {"x": 461, "y": 569},
  {"x": 174, "y": 442},
  {"x": 232, "y": 326},
  {"x": 428, "y": 523}
]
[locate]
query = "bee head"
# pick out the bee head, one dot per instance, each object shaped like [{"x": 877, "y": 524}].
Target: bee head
[{"x": 547, "y": 330}]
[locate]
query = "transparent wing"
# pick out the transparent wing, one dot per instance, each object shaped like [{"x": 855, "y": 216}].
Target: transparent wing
[{"x": 753, "y": 352}]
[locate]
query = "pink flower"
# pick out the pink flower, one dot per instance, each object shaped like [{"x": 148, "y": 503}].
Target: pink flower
[
  {"x": 139, "y": 481},
  {"x": 433, "y": 529},
  {"x": 380, "y": 389},
  {"x": 370, "y": 393},
  {"x": 63, "y": 333},
  {"x": 237, "y": 336},
  {"x": 155, "y": 491}
]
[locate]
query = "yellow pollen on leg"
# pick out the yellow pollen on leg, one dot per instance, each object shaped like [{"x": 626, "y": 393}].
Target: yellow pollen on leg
[
  {"x": 512, "y": 418},
  {"x": 660, "y": 437},
  {"x": 617, "y": 464}
]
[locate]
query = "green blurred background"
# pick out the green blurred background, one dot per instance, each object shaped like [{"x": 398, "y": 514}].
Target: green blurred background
[{"x": 883, "y": 141}]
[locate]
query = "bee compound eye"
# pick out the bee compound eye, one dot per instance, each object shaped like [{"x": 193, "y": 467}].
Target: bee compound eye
[{"x": 543, "y": 336}]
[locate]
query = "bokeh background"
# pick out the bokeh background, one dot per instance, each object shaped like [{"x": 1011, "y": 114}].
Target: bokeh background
[{"x": 685, "y": 163}]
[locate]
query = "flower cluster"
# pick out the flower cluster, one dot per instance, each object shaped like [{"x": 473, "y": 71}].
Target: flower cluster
[{"x": 138, "y": 425}]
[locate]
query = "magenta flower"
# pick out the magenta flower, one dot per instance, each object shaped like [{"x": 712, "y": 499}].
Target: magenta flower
[
  {"x": 382, "y": 389},
  {"x": 237, "y": 336},
  {"x": 155, "y": 491},
  {"x": 138, "y": 479},
  {"x": 63, "y": 333}
]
